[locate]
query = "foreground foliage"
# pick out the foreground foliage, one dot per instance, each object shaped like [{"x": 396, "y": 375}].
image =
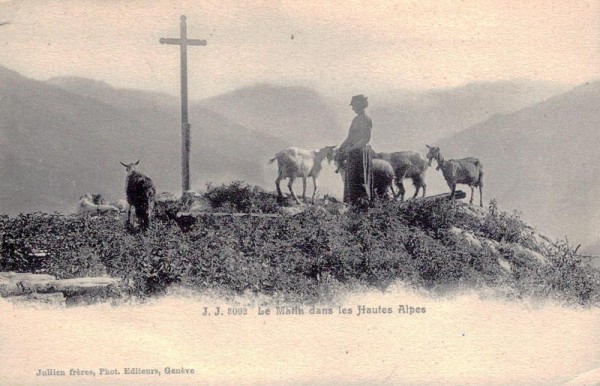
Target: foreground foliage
[{"x": 301, "y": 258}]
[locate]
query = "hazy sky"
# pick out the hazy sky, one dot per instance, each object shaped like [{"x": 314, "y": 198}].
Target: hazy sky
[{"x": 349, "y": 46}]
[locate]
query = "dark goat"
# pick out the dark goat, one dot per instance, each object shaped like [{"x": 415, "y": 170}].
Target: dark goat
[
  {"x": 98, "y": 199},
  {"x": 468, "y": 171},
  {"x": 406, "y": 164},
  {"x": 383, "y": 173},
  {"x": 140, "y": 192},
  {"x": 383, "y": 177}
]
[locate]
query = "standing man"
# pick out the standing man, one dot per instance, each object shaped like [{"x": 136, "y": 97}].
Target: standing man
[{"x": 357, "y": 152}]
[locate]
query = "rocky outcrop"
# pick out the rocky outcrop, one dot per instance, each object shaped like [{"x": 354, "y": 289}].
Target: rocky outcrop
[
  {"x": 30, "y": 288},
  {"x": 508, "y": 253}
]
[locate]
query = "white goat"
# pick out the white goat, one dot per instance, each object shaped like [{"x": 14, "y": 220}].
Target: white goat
[
  {"x": 120, "y": 204},
  {"x": 294, "y": 162},
  {"x": 467, "y": 171},
  {"x": 86, "y": 205}
]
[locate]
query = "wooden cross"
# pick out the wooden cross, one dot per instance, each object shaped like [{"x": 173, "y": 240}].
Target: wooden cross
[{"x": 183, "y": 42}]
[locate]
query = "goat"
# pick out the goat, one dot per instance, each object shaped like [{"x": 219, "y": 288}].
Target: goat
[
  {"x": 467, "y": 171},
  {"x": 293, "y": 162},
  {"x": 406, "y": 164},
  {"x": 93, "y": 203},
  {"x": 383, "y": 177},
  {"x": 120, "y": 204},
  {"x": 140, "y": 192},
  {"x": 98, "y": 199},
  {"x": 383, "y": 174}
]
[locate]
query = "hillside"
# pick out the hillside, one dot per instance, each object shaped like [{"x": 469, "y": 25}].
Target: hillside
[
  {"x": 402, "y": 119},
  {"x": 408, "y": 121},
  {"x": 541, "y": 160},
  {"x": 307, "y": 257},
  {"x": 128, "y": 99},
  {"x": 299, "y": 115},
  {"x": 58, "y": 144}
]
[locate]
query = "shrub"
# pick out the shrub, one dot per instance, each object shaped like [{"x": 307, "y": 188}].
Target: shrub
[
  {"x": 430, "y": 214},
  {"x": 241, "y": 197},
  {"x": 55, "y": 244},
  {"x": 501, "y": 226},
  {"x": 298, "y": 258}
]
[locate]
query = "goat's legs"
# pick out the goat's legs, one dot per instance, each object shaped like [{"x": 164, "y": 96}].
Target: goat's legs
[
  {"x": 314, "y": 196},
  {"x": 303, "y": 188},
  {"x": 419, "y": 183},
  {"x": 452, "y": 189},
  {"x": 481, "y": 196},
  {"x": 277, "y": 181},
  {"x": 290, "y": 183},
  {"x": 472, "y": 193},
  {"x": 401, "y": 190}
]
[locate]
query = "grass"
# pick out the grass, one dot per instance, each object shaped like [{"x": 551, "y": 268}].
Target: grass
[{"x": 304, "y": 258}]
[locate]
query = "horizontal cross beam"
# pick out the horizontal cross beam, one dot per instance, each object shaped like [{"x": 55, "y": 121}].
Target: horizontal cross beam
[{"x": 190, "y": 42}]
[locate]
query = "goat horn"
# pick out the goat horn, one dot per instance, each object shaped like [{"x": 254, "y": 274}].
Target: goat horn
[
  {"x": 429, "y": 147},
  {"x": 138, "y": 161},
  {"x": 122, "y": 163}
]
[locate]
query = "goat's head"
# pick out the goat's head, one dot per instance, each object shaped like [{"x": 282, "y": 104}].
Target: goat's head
[
  {"x": 330, "y": 153},
  {"x": 87, "y": 196},
  {"x": 433, "y": 153},
  {"x": 130, "y": 167},
  {"x": 340, "y": 159},
  {"x": 98, "y": 199}
]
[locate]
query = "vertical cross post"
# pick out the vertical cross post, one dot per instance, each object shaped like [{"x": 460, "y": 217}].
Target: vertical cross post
[{"x": 183, "y": 42}]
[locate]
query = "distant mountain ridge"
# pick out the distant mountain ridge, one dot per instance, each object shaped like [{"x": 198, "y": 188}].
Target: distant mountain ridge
[
  {"x": 409, "y": 121},
  {"x": 63, "y": 137},
  {"x": 121, "y": 98},
  {"x": 541, "y": 160},
  {"x": 402, "y": 119},
  {"x": 298, "y": 115},
  {"x": 58, "y": 144}
]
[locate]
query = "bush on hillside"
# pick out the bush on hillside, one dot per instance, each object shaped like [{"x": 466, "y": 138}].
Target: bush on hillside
[
  {"x": 297, "y": 257},
  {"x": 239, "y": 196}
]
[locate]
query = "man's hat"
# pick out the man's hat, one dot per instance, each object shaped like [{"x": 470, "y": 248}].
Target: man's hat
[{"x": 358, "y": 99}]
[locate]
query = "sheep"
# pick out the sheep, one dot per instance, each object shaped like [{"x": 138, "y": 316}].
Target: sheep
[
  {"x": 92, "y": 204},
  {"x": 406, "y": 164},
  {"x": 294, "y": 162},
  {"x": 382, "y": 171},
  {"x": 140, "y": 192},
  {"x": 467, "y": 171}
]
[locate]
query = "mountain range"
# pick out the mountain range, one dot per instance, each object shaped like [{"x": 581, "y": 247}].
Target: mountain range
[
  {"x": 541, "y": 161},
  {"x": 65, "y": 136},
  {"x": 61, "y": 138}
]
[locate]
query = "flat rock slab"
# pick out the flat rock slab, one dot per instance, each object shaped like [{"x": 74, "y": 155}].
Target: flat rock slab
[
  {"x": 13, "y": 283},
  {"x": 84, "y": 285},
  {"x": 25, "y": 276},
  {"x": 17, "y": 284}
]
